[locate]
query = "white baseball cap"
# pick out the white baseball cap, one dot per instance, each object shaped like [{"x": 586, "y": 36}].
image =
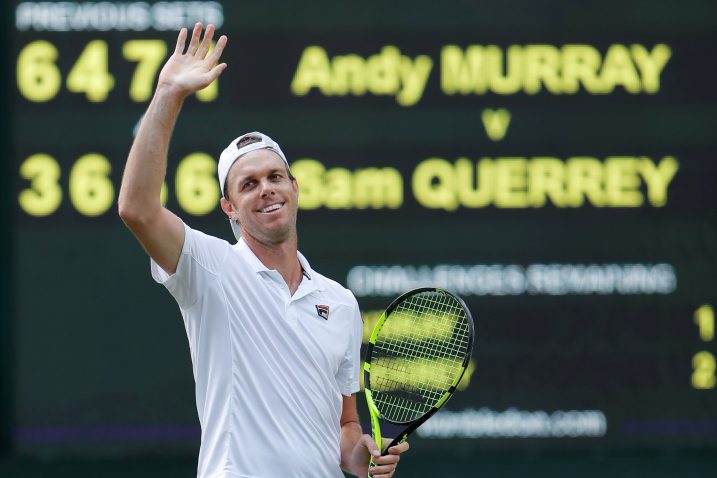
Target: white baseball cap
[
  {"x": 249, "y": 142},
  {"x": 242, "y": 145}
]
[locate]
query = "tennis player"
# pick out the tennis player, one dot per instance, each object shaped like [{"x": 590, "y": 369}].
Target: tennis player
[{"x": 274, "y": 344}]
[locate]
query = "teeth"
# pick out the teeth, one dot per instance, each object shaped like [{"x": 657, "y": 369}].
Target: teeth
[{"x": 273, "y": 207}]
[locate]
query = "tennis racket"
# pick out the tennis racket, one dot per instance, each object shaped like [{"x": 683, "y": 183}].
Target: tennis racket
[{"x": 415, "y": 358}]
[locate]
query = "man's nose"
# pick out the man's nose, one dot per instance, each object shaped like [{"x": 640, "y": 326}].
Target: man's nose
[{"x": 267, "y": 188}]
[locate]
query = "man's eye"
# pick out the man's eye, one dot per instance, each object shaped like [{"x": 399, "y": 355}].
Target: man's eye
[{"x": 247, "y": 185}]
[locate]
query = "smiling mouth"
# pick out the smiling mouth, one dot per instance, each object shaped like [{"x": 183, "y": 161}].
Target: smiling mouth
[{"x": 271, "y": 208}]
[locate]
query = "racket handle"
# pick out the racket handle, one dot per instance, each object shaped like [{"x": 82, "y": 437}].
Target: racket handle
[
  {"x": 370, "y": 464},
  {"x": 396, "y": 441},
  {"x": 375, "y": 425}
]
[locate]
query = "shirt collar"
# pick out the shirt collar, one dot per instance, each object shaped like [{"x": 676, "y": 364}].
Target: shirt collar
[
  {"x": 257, "y": 266},
  {"x": 245, "y": 251}
]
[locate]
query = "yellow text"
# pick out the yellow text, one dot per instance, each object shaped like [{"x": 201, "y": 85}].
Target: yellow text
[
  {"x": 705, "y": 319},
  {"x": 480, "y": 69},
  {"x": 341, "y": 188},
  {"x": 385, "y": 73},
  {"x": 518, "y": 182},
  {"x": 703, "y": 371}
]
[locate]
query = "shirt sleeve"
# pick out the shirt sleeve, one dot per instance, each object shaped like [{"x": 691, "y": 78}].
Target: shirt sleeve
[
  {"x": 351, "y": 365},
  {"x": 200, "y": 264}
]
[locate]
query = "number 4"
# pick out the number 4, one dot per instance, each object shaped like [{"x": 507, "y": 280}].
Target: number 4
[{"x": 90, "y": 75}]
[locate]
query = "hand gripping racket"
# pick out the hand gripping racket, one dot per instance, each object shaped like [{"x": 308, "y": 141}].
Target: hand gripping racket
[{"x": 415, "y": 358}]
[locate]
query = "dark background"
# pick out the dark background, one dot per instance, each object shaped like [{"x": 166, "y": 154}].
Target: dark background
[{"x": 96, "y": 376}]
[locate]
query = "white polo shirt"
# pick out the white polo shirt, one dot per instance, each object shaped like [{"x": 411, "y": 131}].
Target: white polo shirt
[{"x": 270, "y": 368}]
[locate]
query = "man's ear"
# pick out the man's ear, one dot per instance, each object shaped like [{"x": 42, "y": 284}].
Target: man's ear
[{"x": 228, "y": 209}]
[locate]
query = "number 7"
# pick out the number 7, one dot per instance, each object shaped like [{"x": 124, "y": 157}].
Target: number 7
[{"x": 149, "y": 54}]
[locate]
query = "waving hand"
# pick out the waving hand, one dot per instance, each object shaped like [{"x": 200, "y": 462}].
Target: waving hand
[{"x": 187, "y": 72}]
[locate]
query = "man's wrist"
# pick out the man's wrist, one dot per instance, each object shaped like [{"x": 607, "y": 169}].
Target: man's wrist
[{"x": 170, "y": 91}]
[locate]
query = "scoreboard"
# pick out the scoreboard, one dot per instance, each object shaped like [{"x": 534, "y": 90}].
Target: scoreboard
[{"x": 551, "y": 162}]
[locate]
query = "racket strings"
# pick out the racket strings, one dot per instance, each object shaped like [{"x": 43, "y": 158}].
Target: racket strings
[{"x": 418, "y": 355}]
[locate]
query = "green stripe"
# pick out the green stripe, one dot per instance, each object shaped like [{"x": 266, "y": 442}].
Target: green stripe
[
  {"x": 377, "y": 328},
  {"x": 442, "y": 400},
  {"x": 458, "y": 378}
]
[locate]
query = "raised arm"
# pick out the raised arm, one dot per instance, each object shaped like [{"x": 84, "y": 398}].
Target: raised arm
[{"x": 160, "y": 232}]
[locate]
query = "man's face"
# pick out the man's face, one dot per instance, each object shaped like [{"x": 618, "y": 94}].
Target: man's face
[{"x": 262, "y": 197}]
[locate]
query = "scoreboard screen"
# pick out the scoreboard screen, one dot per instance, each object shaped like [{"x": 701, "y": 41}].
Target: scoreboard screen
[{"x": 553, "y": 163}]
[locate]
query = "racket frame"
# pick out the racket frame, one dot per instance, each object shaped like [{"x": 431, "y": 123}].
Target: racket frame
[{"x": 412, "y": 424}]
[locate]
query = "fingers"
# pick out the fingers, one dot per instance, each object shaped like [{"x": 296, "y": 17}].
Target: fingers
[
  {"x": 200, "y": 49},
  {"x": 387, "y": 460},
  {"x": 398, "y": 449},
  {"x": 384, "y": 466},
  {"x": 370, "y": 445},
  {"x": 381, "y": 466},
  {"x": 217, "y": 70},
  {"x": 218, "y": 49},
  {"x": 206, "y": 41},
  {"x": 194, "y": 42},
  {"x": 181, "y": 40},
  {"x": 214, "y": 73},
  {"x": 382, "y": 471}
]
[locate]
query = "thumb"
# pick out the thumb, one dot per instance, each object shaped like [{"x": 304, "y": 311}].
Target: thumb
[{"x": 371, "y": 446}]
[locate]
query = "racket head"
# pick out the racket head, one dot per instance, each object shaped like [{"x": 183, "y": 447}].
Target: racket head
[{"x": 417, "y": 354}]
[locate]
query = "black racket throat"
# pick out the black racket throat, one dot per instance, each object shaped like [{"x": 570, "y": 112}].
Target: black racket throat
[
  {"x": 408, "y": 430},
  {"x": 412, "y": 427}
]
